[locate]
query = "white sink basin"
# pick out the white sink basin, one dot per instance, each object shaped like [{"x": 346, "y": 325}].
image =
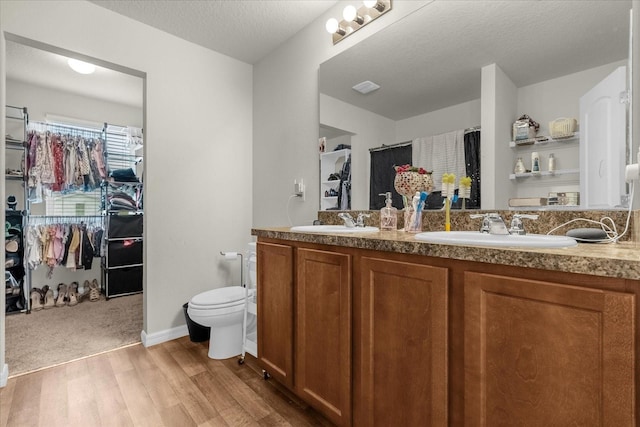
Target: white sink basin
[
  {"x": 333, "y": 229},
  {"x": 475, "y": 238}
]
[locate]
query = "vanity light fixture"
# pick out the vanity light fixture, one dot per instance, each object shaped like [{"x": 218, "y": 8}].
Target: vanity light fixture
[
  {"x": 81, "y": 67},
  {"x": 356, "y": 18}
]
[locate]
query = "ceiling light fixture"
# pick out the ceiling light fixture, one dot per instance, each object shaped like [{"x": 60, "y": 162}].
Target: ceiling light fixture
[
  {"x": 80, "y": 66},
  {"x": 356, "y": 18}
]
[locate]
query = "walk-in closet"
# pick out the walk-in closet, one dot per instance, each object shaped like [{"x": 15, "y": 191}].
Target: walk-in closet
[{"x": 74, "y": 209}]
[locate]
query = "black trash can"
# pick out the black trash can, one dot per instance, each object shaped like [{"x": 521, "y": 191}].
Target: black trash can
[{"x": 197, "y": 332}]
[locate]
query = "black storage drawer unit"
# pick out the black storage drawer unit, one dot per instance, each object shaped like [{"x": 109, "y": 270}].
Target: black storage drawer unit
[
  {"x": 123, "y": 281},
  {"x": 124, "y": 252},
  {"x": 125, "y": 226},
  {"x": 122, "y": 263}
]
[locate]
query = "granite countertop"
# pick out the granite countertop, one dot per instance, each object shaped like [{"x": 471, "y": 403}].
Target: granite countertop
[{"x": 621, "y": 260}]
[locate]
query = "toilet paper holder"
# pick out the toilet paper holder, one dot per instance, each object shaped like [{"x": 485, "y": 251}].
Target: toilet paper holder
[{"x": 231, "y": 256}]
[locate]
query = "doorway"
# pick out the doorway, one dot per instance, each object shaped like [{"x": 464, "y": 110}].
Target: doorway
[{"x": 39, "y": 79}]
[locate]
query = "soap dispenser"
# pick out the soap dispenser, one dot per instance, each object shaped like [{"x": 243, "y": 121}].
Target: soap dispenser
[{"x": 388, "y": 214}]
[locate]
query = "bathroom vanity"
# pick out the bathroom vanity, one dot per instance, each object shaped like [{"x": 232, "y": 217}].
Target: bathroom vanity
[{"x": 381, "y": 329}]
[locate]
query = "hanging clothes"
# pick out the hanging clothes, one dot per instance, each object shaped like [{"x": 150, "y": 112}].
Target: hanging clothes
[
  {"x": 63, "y": 241},
  {"x": 63, "y": 162},
  {"x": 344, "y": 189}
]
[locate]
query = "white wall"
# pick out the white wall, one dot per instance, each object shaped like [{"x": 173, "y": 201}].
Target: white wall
[
  {"x": 4, "y": 369},
  {"x": 42, "y": 101},
  {"x": 198, "y": 142},
  {"x": 448, "y": 119}
]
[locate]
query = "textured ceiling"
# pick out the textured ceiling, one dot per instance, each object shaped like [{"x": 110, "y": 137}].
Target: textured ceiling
[
  {"x": 243, "y": 29},
  {"x": 432, "y": 58},
  {"x": 428, "y": 60}
]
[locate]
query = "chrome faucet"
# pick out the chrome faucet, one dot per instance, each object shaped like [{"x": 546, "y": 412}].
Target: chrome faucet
[
  {"x": 348, "y": 219},
  {"x": 492, "y": 223},
  {"x": 517, "y": 227},
  {"x": 360, "y": 220}
]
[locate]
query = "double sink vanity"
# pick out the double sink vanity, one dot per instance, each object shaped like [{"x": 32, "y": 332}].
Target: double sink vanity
[{"x": 383, "y": 328}]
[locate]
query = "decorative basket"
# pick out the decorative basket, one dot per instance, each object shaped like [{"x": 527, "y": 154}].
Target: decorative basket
[{"x": 562, "y": 127}]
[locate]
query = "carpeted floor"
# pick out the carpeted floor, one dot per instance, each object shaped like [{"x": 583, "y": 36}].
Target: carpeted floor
[{"x": 60, "y": 334}]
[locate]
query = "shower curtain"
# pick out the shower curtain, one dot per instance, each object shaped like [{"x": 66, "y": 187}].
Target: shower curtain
[
  {"x": 382, "y": 174},
  {"x": 472, "y": 161}
]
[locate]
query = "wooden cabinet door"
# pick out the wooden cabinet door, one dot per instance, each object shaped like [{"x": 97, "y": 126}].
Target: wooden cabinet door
[
  {"x": 546, "y": 354},
  {"x": 275, "y": 311},
  {"x": 323, "y": 332},
  {"x": 400, "y": 370}
]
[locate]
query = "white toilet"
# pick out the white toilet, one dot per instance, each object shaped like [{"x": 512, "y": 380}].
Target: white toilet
[{"x": 222, "y": 310}]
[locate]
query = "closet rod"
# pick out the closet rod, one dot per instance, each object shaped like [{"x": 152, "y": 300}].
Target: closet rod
[
  {"x": 385, "y": 146},
  {"x": 65, "y": 216},
  {"x": 80, "y": 219},
  {"x": 55, "y": 127}
]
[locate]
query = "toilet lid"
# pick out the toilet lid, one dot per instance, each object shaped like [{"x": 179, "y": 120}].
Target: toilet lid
[{"x": 221, "y": 296}]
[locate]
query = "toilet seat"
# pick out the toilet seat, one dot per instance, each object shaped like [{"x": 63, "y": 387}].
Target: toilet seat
[{"x": 226, "y": 297}]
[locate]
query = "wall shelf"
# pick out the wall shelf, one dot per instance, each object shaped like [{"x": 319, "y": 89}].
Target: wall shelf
[
  {"x": 542, "y": 174},
  {"x": 544, "y": 141}
]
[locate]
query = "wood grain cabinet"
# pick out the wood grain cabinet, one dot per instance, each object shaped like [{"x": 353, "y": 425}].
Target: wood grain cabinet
[
  {"x": 371, "y": 338},
  {"x": 323, "y": 332},
  {"x": 275, "y": 311},
  {"x": 400, "y": 333},
  {"x": 307, "y": 292},
  {"x": 541, "y": 353}
]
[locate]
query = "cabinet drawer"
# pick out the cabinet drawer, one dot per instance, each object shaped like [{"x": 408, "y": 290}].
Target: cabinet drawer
[
  {"x": 123, "y": 281},
  {"x": 124, "y": 252},
  {"x": 125, "y": 226}
]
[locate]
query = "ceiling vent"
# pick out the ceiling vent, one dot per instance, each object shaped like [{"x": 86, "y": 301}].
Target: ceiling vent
[{"x": 366, "y": 87}]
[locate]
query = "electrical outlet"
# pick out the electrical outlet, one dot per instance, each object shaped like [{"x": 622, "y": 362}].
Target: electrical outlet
[{"x": 298, "y": 188}]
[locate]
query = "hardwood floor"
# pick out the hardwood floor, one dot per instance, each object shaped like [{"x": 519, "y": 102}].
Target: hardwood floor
[{"x": 170, "y": 384}]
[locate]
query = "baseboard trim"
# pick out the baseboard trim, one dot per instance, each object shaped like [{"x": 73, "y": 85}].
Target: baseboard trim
[
  {"x": 4, "y": 376},
  {"x": 163, "y": 336}
]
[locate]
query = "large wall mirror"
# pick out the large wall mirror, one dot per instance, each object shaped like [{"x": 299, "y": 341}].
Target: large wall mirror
[{"x": 430, "y": 67}]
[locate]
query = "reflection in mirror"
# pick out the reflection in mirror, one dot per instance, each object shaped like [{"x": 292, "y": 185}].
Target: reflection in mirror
[{"x": 450, "y": 66}]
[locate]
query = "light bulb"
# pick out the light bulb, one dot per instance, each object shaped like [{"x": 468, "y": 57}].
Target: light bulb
[
  {"x": 332, "y": 25},
  {"x": 374, "y": 4},
  {"x": 349, "y": 13},
  {"x": 81, "y": 67}
]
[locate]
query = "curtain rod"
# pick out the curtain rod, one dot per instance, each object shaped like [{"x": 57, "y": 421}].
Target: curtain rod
[
  {"x": 472, "y": 129},
  {"x": 385, "y": 147}
]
